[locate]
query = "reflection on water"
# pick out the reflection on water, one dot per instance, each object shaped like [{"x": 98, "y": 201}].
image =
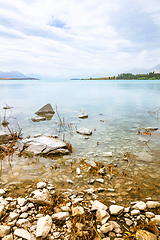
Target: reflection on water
[{"x": 115, "y": 109}]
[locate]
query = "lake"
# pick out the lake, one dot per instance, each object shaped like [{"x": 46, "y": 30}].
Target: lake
[{"x": 116, "y": 110}]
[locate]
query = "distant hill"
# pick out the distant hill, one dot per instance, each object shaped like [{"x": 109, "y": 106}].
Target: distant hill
[
  {"x": 12, "y": 74},
  {"x": 144, "y": 71}
]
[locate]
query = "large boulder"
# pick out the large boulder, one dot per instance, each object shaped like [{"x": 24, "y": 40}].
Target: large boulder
[
  {"x": 47, "y": 109},
  {"x": 84, "y": 131},
  {"x": 45, "y": 145}
]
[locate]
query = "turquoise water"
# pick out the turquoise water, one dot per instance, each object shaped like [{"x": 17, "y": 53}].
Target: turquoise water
[{"x": 115, "y": 109}]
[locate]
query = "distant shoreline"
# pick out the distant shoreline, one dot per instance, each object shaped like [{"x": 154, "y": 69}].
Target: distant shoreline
[{"x": 1, "y": 78}]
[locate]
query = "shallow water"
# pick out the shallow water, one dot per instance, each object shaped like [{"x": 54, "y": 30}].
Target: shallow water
[{"x": 115, "y": 109}]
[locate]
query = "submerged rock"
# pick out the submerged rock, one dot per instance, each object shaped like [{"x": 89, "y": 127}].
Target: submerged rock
[
  {"x": 38, "y": 118},
  {"x": 4, "y": 137},
  {"x": 47, "y": 109},
  {"x": 83, "y": 115},
  {"x": 84, "y": 131}
]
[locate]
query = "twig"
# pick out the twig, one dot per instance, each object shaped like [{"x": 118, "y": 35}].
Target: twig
[{"x": 61, "y": 124}]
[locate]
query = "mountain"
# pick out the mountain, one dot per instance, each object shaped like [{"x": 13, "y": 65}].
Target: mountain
[
  {"x": 143, "y": 70},
  {"x": 12, "y": 74}
]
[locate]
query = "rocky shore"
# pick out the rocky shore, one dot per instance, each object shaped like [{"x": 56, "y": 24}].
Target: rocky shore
[{"x": 47, "y": 213}]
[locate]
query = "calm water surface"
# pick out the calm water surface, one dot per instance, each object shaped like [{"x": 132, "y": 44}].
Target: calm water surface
[{"x": 115, "y": 109}]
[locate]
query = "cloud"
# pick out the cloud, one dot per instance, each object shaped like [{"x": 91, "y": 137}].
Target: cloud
[{"x": 72, "y": 37}]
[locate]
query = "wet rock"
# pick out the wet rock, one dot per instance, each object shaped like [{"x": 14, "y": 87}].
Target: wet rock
[
  {"x": 47, "y": 109},
  {"x": 4, "y": 230},
  {"x": 83, "y": 115},
  {"x": 38, "y": 119},
  {"x": 106, "y": 229},
  {"x": 22, "y": 223},
  {"x": 96, "y": 205},
  {"x": 78, "y": 171},
  {"x": 13, "y": 216},
  {"x": 102, "y": 171},
  {"x": 102, "y": 216},
  {"x": 89, "y": 191},
  {"x": 100, "y": 180},
  {"x": 41, "y": 185},
  {"x": 91, "y": 163},
  {"x": 128, "y": 222},
  {"x": 4, "y": 137},
  {"x": 2, "y": 192},
  {"x": 108, "y": 154},
  {"x": 145, "y": 235},
  {"x": 60, "y": 216},
  {"x": 140, "y": 206},
  {"x": 84, "y": 131},
  {"x": 8, "y": 237},
  {"x": 22, "y": 233},
  {"x": 150, "y": 129},
  {"x": 2, "y": 210},
  {"x": 43, "y": 226},
  {"x": 149, "y": 214},
  {"x": 156, "y": 220},
  {"x": 144, "y": 156},
  {"x": 77, "y": 210},
  {"x": 45, "y": 145},
  {"x": 135, "y": 212},
  {"x": 115, "y": 209},
  {"x": 116, "y": 227},
  {"x": 152, "y": 204}
]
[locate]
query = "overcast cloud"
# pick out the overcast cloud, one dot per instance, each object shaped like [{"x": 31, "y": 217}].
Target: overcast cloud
[{"x": 79, "y": 38}]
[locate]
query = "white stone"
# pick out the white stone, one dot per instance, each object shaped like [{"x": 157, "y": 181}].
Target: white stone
[
  {"x": 42, "y": 195},
  {"x": 140, "y": 206},
  {"x": 156, "y": 220},
  {"x": 150, "y": 214},
  {"x": 24, "y": 215},
  {"x": 2, "y": 210},
  {"x": 21, "y": 201},
  {"x": 135, "y": 212},
  {"x": 13, "y": 216},
  {"x": 145, "y": 235},
  {"x": 43, "y": 226},
  {"x": 100, "y": 180},
  {"x": 128, "y": 222},
  {"x": 22, "y": 223},
  {"x": 78, "y": 171},
  {"x": 77, "y": 210},
  {"x": 89, "y": 191},
  {"x": 152, "y": 204},
  {"x": 24, "y": 209},
  {"x": 2, "y": 192},
  {"x": 102, "y": 216},
  {"x": 106, "y": 229},
  {"x": 116, "y": 227},
  {"x": 107, "y": 154},
  {"x": 20, "y": 232},
  {"x": 8, "y": 237},
  {"x": 115, "y": 209},
  {"x": 41, "y": 185},
  {"x": 84, "y": 131},
  {"x": 60, "y": 215},
  {"x": 4, "y": 230},
  {"x": 98, "y": 205}
]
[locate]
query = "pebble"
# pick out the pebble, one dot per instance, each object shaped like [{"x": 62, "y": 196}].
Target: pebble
[
  {"x": 41, "y": 185},
  {"x": 43, "y": 226},
  {"x": 152, "y": 204},
  {"x": 115, "y": 209}
]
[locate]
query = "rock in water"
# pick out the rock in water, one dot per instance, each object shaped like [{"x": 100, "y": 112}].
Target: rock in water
[
  {"x": 84, "y": 131},
  {"x": 43, "y": 226},
  {"x": 47, "y": 109},
  {"x": 83, "y": 115},
  {"x": 38, "y": 118}
]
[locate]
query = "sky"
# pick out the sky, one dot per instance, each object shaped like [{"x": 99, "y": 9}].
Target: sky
[{"x": 79, "y": 38}]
